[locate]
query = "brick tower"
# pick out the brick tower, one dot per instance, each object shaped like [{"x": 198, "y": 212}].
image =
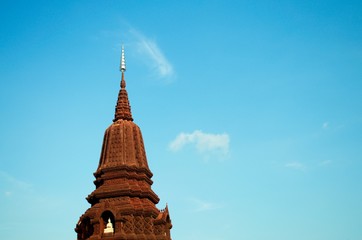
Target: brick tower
[{"x": 123, "y": 205}]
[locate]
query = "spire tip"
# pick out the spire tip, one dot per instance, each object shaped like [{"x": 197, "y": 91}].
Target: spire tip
[{"x": 123, "y": 61}]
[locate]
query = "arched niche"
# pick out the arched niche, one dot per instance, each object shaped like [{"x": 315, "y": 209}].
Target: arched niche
[{"x": 105, "y": 217}]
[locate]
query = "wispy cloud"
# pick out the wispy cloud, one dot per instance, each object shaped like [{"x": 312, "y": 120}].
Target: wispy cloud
[
  {"x": 8, "y": 193},
  {"x": 332, "y": 127},
  {"x": 153, "y": 55},
  {"x": 17, "y": 190},
  {"x": 325, "y": 162},
  {"x": 12, "y": 184},
  {"x": 295, "y": 165},
  {"x": 201, "y": 205},
  {"x": 144, "y": 48},
  {"x": 204, "y": 142}
]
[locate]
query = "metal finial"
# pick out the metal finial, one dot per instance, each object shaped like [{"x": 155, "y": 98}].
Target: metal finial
[{"x": 123, "y": 61}]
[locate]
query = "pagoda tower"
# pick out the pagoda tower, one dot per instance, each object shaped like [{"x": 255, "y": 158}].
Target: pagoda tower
[{"x": 123, "y": 205}]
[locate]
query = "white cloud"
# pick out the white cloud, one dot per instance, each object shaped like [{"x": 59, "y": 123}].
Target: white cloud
[
  {"x": 201, "y": 205},
  {"x": 204, "y": 142},
  {"x": 8, "y": 193},
  {"x": 18, "y": 190},
  {"x": 144, "y": 48},
  {"x": 152, "y": 53},
  {"x": 325, "y": 163},
  {"x": 295, "y": 165},
  {"x": 332, "y": 127},
  {"x": 14, "y": 184}
]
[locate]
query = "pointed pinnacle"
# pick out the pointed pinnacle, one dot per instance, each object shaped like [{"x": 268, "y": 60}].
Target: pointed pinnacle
[
  {"x": 123, "y": 108},
  {"x": 123, "y": 61}
]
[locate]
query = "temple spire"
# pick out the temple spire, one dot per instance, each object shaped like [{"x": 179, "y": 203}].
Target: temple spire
[
  {"x": 123, "y": 108},
  {"x": 123, "y": 194}
]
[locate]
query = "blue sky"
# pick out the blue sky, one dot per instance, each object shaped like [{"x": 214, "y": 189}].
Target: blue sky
[{"x": 251, "y": 113}]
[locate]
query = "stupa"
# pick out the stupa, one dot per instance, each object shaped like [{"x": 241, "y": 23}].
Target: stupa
[{"x": 123, "y": 205}]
